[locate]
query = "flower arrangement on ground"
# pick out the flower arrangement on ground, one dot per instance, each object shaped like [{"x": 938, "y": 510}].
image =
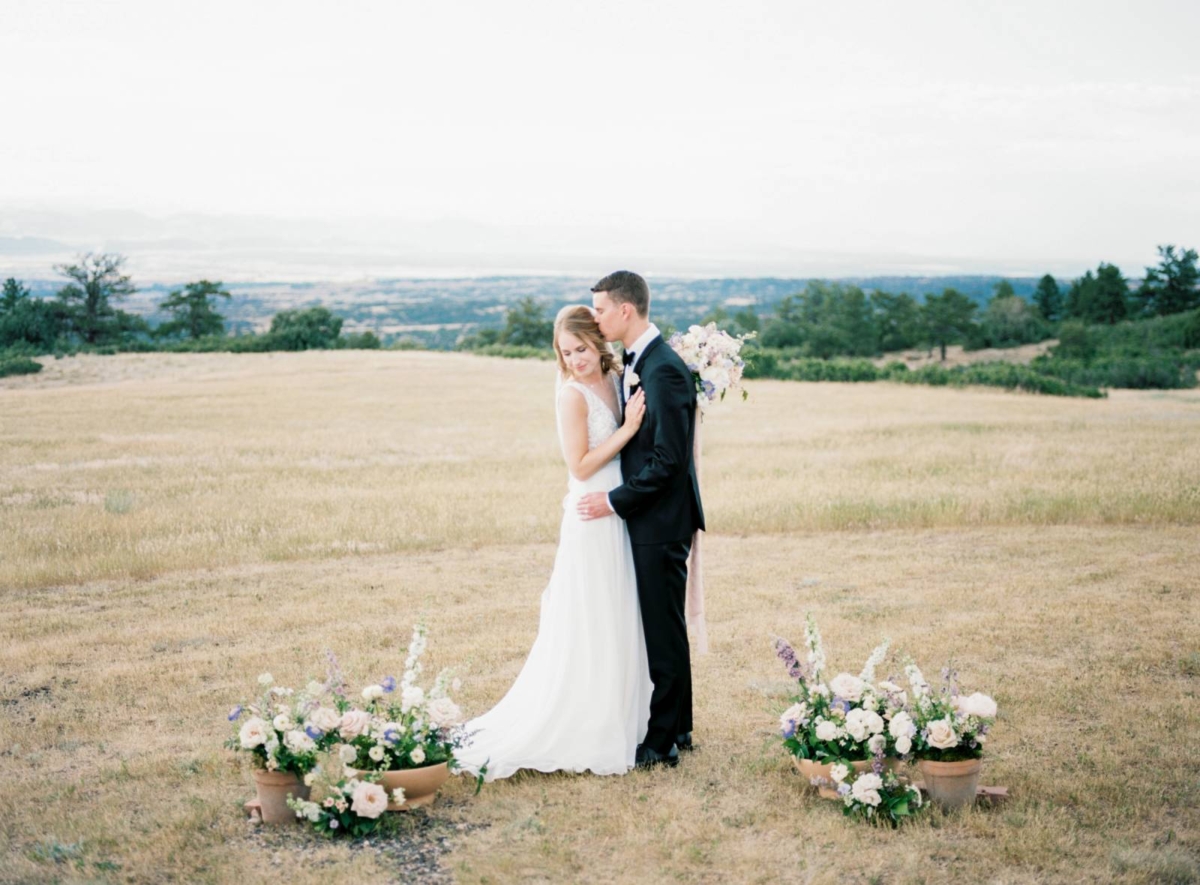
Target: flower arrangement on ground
[
  {"x": 712, "y": 356},
  {"x": 401, "y": 725},
  {"x": 350, "y": 806},
  {"x": 285, "y": 730},
  {"x": 877, "y": 796},
  {"x": 844, "y": 719},
  {"x": 950, "y": 727}
]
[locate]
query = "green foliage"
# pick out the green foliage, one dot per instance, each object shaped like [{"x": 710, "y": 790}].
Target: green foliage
[
  {"x": 366, "y": 340},
  {"x": 1172, "y": 286},
  {"x": 1131, "y": 372},
  {"x": 312, "y": 328},
  {"x": 1099, "y": 298},
  {"x": 1048, "y": 299},
  {"x": 18, "y": 365},
  {"x": 515, "y": 352},
  {"x": 526, "y": 325},
  {"x": 30, "y": 324},
  {"x": 897, "y": 321},
  {"x": 1008, "y": 321},
  {"x": 947, "y": 318},
  {"x": 825, "y": 320},
  {"x": 193, "y": 311},
  {"x": 97, "y": 280}
]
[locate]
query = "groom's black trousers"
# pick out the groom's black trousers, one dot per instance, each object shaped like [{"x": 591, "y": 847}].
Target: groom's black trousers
[{"x": 661, "y": 571}]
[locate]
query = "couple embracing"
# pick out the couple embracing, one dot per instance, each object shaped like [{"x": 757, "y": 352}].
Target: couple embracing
[{"x": 607, "y": 685}]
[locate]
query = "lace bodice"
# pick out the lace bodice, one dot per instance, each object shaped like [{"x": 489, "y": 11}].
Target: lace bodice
[{"x": 601, "y": 421}]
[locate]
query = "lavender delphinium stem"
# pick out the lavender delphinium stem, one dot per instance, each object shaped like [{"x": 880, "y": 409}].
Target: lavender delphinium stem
[{"x": 335, "y": 683}]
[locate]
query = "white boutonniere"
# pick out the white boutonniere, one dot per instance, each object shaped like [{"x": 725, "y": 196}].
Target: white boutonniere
[{"x": 634, "y": 380}]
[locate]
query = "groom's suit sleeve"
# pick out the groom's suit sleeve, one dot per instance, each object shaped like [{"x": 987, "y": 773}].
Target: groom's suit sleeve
[{"x": 671, "y": 401}]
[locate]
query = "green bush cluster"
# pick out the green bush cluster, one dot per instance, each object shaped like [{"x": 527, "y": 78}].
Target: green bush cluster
[{"x": 18, "y": 365}]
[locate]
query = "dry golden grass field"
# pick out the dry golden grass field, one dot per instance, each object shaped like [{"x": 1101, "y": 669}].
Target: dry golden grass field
[{"x": 170, "y": 526}]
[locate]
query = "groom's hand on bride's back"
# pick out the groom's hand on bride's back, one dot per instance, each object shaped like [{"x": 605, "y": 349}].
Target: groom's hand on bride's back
[{"x": 594, "y": 505}]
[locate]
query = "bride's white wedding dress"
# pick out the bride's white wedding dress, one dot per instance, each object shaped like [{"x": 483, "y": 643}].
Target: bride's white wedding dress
[{"x": 582, "y": 700}]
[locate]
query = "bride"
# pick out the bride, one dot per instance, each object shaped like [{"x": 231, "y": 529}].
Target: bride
[{"x": 582, "y": 700}]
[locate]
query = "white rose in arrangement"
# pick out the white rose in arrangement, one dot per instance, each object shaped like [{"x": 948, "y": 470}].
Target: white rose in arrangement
[
  {"x": 347, "y": 754},
  {"x": 413, "y": 696},
  {"x": 369, "y": 800},
  {"x": 794, "y": 713},
  {"x": 354, "y": 723},
  {"x": 443, "y": 712},
  {"x": 325, "y": 718},
  {"x": 839, "y": 772},
  {"x": 253, "y": 733},
  {"x": 866, "y": 789},
  {"x": 265, "y": 679},
  {"x": 941, "y": 734},
  {"x": 827, "y": 731},
  {"x": 634, "y": 379},
  {"x": 877, "y": 744},
  {"x": 870, "y": 702},
  {"x": 846, "y": 686},
  {"x": 856, "y": 724},
  {"x": 298, "y": 742},
  {"x": 903, "y": 744},
  {"x": 376, "y": 753},
  {"x": 874, "y": 721},
  {"x": 901, "y": 725},
  {"x": 372, "y": 692},
  {"x": 417, "y": 755},
  {"x": 283, "y": 722},
  {"x": 976, "y": 705}
]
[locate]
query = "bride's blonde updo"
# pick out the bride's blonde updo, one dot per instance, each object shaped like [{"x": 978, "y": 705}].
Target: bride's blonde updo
[{"x": 578, "y": 320}]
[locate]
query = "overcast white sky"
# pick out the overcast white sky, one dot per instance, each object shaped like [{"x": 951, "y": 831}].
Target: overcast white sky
[{"x": 1054, "y": 134}]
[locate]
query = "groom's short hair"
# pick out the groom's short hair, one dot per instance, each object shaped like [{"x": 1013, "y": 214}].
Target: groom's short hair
[{"x": 626, "y": 287}]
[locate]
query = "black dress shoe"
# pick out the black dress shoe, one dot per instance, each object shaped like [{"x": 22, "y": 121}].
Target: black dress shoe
[
  {"x": 684, "y": 742},
  {"x": 645, "y": 757}
]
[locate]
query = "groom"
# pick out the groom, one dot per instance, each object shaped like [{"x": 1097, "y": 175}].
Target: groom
[{"x": 659, "y": 501}]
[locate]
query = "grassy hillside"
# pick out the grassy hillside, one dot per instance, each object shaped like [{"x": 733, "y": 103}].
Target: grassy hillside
[{"x": 174, "y": 524}]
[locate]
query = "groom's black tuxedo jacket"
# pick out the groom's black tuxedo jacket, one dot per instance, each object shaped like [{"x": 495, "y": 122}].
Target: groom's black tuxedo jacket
[{"x": 660, "y": 497}]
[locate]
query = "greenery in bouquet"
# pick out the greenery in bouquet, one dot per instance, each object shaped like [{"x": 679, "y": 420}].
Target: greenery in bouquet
[
  {"x": 847, "y": 718},
  {"x": 285, "y": 730},
  {"x": 350, "y": 806},
  {"x": 401, "y": 725},
  {"x": 877, "y": 796},
  {"x": 950, "y": 727}
]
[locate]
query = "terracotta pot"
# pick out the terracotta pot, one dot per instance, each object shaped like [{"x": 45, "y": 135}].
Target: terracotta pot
[
  {"x": 420, "y": 784},
  {"x": 951, "y": 784},
  {"x": 810, "y": 769},
  {"x": 273, "y": 788}
]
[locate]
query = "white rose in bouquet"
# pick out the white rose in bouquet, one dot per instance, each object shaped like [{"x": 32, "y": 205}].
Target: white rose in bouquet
[
  {"x": 839, "y": 772},
  {"x": 347, "y": 754},
  {"x": 856, "y": 724},
  {"x": 846, "y": 686},
  {"x": 794, "y": 713},
  {"x": 325, "y": 718},
  {"x": 372, "y": 692},
  {"x": 866, "y": 789},
  {"x": 253, "y": 733},
  {"x": 443, "y": 712},
  {"x": 901, "y": 725},
  {"x": 877, "y": 744},
  {"x": 417, "y": 755},
  {"x": 903, "y": 744},
  {"x": 827, "y": 731},
  {"x": 376, "y": 753},
  {"x": 283, "y": 722},
  {"x": 354, "y": 723},
  {"x": 941, "y": 734},
  {"x": 369, "y": 800},
  {"x": 298, "y": 742},
  {"x": 976, "y": 705}
]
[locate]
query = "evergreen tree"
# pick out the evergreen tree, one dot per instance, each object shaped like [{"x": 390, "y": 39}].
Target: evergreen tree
[
  {"x": 1048, "y": 299},
  {"x": 97, "y": 281},
  {"x": 897, "y": 321},
  {"x": 527, "y": 324},
  {"x": 192, "y": 310},
  {"x": 1111, "y": 302},
  {"x": 26, "y": 321},
  {"x": 313, "y": 328},
  {"x": 1170, "y": 287},
  {"x": 947, "y": 318}
]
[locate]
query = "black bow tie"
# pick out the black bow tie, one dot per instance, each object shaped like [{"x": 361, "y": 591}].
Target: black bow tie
[{"x": 630, "y": 357}]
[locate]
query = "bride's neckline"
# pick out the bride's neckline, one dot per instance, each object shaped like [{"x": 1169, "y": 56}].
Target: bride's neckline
[{"x": 606, "y": 380}]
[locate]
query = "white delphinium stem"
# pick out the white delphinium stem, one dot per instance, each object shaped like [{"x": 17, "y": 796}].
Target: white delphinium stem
[
  {"x": 816, "y": 650},
  {"x": 868, "y": 673}
]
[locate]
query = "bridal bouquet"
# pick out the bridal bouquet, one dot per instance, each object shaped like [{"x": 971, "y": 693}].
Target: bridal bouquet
[
  {"x": 949, "y": 726},
  {"x": 712, "y": 356},
  {"x": 844, "y": 719},
  {"x": 285, "y": 730},
  {"x": 400, "y": 725}
]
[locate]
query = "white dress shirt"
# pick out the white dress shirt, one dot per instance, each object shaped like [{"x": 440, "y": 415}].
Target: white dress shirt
[{"x": 639, "y": 349}]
